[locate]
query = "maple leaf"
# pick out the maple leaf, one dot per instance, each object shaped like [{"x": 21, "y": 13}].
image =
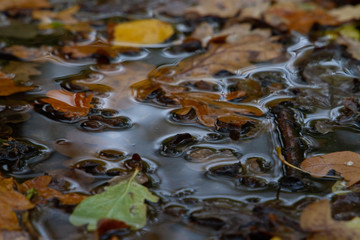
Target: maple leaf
[
  {"x": 347, "y": 163},
  {"x": 316, "y": 219},
  {"x": 6, "y": 4},
  {"x": 147, "y": 31},
  {"x": 22, "y": 71},
  {"x": 72, "y": 104},
  {"x": 10, "y": 201},
  {"x": 123, "y": 201},
  {"x": 8, "y": 86},
  {"x": 44, "y": 193}
]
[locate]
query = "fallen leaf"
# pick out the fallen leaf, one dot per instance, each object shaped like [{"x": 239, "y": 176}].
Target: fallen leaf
[
  {"x": 316, "y": 219},
  {"x": 347, "y": 163},
  {"x": 72, "y": 104},
  {"x": 28, "y": 53},
  {"x": 243, "y": 52},
  {"x": 123, "y": 201},
  {"x": 44, "y": 193},
  {"x": 22, "y": 71},
  {"x": 14, "y": 235},
  {"x": 65, "y": 16},
  {"x": 8, "y": 86},
  {"x": 10, "y": 201},
  {"x": 147, "y": 31},
  {"x": 95, "y": 48},
  {"x": 346, "y": 13},
  {"x": 6, "y": 4},
  {"x": 298, "y": 17}
]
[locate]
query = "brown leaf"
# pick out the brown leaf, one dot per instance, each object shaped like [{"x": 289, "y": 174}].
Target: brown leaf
[
  {"x": 10, "y": 201},
  {"x": 45, "y": 193},
  {"x": 353, "y": 46},
  {"x": 232, "y": 56},
  {"x": 65, "y": 16},
  {"x": 6, "y": 4},
  {"x": 22, "y": 71},
  {"x": 298, "y": 17},
  {"x": 72, "y": 104},
  {"x": 8, "y": 86},
  {"x": 26, "y": 53},
  {"x": 347, "y": 163},
  {"x": 316, "y": 218},
  {"x": 97, "y": 47},
  {"x": 14, "y": 235},
  {"x": 346, "y": 13}
]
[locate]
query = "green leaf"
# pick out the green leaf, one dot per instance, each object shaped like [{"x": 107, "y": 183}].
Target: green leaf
[{"x": 123, "y": 201}]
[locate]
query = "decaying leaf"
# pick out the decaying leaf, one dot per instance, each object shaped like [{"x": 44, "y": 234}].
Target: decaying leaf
[
  {"x": 298, "y": 17},
  {"x": 347, "y": 163},
  {"x": 10, "y": 201},
  {"x": 21, "y": 71},
  {"x": 34, "y": 4},
  {"x": 123, "y": 201},
  {"x": 28, "y": 53},
  {"x": 346, "y": 13},
  {"x": 44, "y": 193},
  {"x": 316, "y": 219},
  {"x": 72, "y": 104},
  {"x": 147, "y": 31},
  {"x": 65, "y": 16},
  {"x": 8, "y": 86}
]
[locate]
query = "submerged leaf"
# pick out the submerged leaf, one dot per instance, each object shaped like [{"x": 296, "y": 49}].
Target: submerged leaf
[
  {"x": 147, "y": 31},
  {"x": 123, "y": 201},
  {"x": 72, "y": 104},
  {"x": 22, "y": 71},
  {"x": 8, "y": 86},
  {"x": 347, "y": 163},
  {"x": 316, "y": 218}
]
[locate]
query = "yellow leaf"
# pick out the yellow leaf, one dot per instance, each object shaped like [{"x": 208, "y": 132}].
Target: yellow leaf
[{"x": 147, "y": 31}]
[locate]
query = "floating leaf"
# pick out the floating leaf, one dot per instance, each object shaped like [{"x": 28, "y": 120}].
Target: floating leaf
[
  {"x": 147, "y": 31},
  {"x": 316, "y": 218},
  {"x": 8, "y": 86},
  {"x": 347, "y": 163},
  {"x": 10, "y": 201},
  {"x": 123, "y": 201},
  {"x": 44, "y": 193},
  {"x": 22, "y": 71},
  {"x": 72, "y": 104}
]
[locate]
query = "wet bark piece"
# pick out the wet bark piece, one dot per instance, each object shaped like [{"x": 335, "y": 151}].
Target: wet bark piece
[{"x": 292, "y": 145}]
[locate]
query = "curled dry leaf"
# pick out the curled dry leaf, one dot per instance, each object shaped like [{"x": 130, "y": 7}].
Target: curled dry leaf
[
  {"x": 44, "y": 193},
  {"x": 10, "y": 201},
  {"x": 33, "y": 4},
  {"x": 72, "y": 104},
  {"x": 8, "y": 86},
  {"x": 316, "y": 219},
  {"x": 147, "y": 31},
  {"x": 347, "y": 163}
]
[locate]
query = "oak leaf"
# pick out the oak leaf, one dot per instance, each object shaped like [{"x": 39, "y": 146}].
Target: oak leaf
[
  {"x": 72, "y": 104},
  {"x": 6, "y": 4},
  {"x": 147, "y": 31},
  {"x": 10, "y": 201},
  {"x": 8, "y": 86},
  {"x": 316, "y": 219},
  {"x": 44, "y": 193},
  {"x": 347, "y": 163}
]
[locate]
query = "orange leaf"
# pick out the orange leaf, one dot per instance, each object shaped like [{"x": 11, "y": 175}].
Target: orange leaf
[
  {"x": 45, "y": 193},
  {"x": 6, "y": 4},
  {"x": 347, "y": 163},
  {"x": 11, "y": 200},
  {"x": 72, "y": 104},
  {"x": 8, "y": 86}
]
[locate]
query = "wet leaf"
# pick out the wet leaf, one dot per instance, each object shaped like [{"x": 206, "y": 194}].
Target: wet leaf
[
  {"x": 43, "y": 192},
  {"x": 10, "y": 201},
  {"x": 6, "y": 4},
  {"x": 65, "y": 16},
  {"x": 316, "y": 219},
  {"x": 8, "y": 86},
  {"x": 147, "y": 31},
  {"x": 28, "y": 53},
  {"x": 22, "y": 71},
  {"x": 72, "y": 104},
  {"x": 123, "y": 201},
  {"x": 347, "y": 163}
]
